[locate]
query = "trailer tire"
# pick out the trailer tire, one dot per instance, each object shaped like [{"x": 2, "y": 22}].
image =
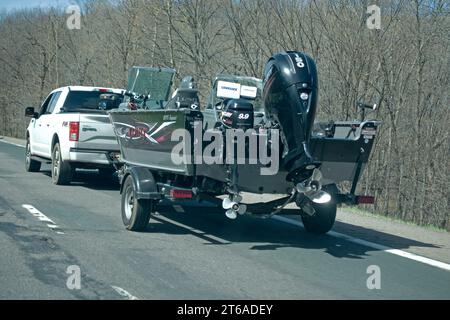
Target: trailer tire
[
  {"x": 62, "y": 171},
  {"x": 30, "y": 164},
  {"x": 323, "y": 219},
  {"x": 135, "y": 212}
]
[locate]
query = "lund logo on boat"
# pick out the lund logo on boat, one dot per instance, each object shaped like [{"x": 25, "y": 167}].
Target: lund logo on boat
[
  {"x": 137, "y": 132},
  {"x": 154, "y": 133}
]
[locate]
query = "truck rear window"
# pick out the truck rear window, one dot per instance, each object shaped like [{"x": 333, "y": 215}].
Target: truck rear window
[{"x": 91, "y": 101}]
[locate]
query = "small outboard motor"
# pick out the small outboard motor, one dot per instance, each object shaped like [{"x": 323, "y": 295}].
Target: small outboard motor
[
  {"x": 290, "y": 92},
  {"x": 237, "y": 114}
]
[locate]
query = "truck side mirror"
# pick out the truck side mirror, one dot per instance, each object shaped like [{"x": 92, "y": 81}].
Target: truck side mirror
[{"x": 29, "y": 112}]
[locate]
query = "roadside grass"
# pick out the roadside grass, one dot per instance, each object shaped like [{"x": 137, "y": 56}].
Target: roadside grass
[
  {"x": 366, "y": 213},
  {"x": 13, "y": 139}
]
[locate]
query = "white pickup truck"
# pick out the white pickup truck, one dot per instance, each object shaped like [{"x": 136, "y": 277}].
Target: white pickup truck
[{"x": 72, "y": 130}]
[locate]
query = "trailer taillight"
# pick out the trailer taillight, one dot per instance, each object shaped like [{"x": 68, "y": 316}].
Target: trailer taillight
[
  {"x": 74, "y": 129},
  {"x": 180, "y": 194},
  {"x": 365, "y": 200}
]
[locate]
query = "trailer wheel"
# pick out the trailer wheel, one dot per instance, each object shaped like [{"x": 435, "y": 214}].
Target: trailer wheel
[
  {"x": 61, "y": 170},
  {"x": 135, "y": 212},
  {"x": 323, "y": 219},
  {"x": 30, "y": 164}
]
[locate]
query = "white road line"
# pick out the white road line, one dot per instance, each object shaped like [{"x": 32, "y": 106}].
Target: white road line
[
  {"x": 42, "y": 217},
  {"x": 36, "y": 213},
  {"x": 124, "y": 293},
  {"x": 178, "y": 208},
  {"x": 401, "y": 253},
  {"x": 12, "y": 143},
  {"x": 220, "y": 240}
]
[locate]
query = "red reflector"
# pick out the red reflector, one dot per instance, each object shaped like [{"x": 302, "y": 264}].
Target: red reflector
[
  {"x": 366, "y": 200},
  {"x": 74, "y": 129},
  {"x": 104, "y": 90},
  {"x": 180, "y": 194}
]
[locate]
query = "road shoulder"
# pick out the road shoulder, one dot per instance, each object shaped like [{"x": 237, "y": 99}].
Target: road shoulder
[
  {"x": 395, "y": 234},
  {"x": 15, "y": 141},
  {"x": 400, "y": 235}
]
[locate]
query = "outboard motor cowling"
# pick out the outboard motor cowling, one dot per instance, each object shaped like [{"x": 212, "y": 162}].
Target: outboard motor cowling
[
  {"x": 237, "y": 114},
  {"x": 290, "y": 93}
]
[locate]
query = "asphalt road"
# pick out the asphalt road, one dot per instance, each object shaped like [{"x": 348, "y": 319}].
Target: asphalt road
[{"x": 197, "y": 254}]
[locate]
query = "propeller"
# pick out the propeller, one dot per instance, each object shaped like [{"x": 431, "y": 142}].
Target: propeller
[
  {"x": 242, "y": 209},
  {"x": 227, "y": 203},
  {"x": 233, "y": 207},
  {"x": 311, "y": 188},
  {"x": 321, "y": 197},
  {"x": 231, "y": 214}
]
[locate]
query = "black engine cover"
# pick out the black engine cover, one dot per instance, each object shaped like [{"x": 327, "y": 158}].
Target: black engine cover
[
  {"x": 290, "y": 93},
  {"x": 237, "y": 114}
]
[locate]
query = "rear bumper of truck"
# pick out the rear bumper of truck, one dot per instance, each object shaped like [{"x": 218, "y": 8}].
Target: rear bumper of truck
[{"x": 94, "y": 157}]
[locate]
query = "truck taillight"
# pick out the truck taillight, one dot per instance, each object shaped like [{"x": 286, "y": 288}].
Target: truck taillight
[{"x": 74, "y": 129}]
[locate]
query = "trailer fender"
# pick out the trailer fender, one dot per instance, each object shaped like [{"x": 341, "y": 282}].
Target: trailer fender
[{"x": 144, "y": 183}]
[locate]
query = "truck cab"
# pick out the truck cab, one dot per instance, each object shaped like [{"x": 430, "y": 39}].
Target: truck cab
[{"x": 72, "y": 130}]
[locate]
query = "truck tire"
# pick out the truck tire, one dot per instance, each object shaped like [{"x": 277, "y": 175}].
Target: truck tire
[
  {"x": 135, "y": 212},
  {"x": 30, "y": 164},
  {"x": 61, "y": 170},
  {"x": 323, "y": 219}
]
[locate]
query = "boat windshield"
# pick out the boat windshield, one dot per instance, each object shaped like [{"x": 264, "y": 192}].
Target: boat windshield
[{"x": 154, "y": 81}]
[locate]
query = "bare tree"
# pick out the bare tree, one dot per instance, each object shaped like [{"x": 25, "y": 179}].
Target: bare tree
[{"x": 403, "y": 67}]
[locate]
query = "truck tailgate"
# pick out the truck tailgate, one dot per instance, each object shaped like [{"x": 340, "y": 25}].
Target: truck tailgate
[{"x": 97, "y": 133}]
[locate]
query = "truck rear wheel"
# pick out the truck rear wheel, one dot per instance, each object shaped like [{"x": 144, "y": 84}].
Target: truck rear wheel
[
  {"x": 322, "y": 220},
  {"x": 61, "y": 170},
  {"x": 30, "y": 164},
  {"x": 135, "y": 212}
]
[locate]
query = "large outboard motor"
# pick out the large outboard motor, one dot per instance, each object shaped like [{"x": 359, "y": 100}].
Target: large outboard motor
[{"x": 290, "y": 89}]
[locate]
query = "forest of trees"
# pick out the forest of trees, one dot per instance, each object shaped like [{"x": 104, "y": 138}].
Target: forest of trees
[{"x": 404, "y": 67}]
